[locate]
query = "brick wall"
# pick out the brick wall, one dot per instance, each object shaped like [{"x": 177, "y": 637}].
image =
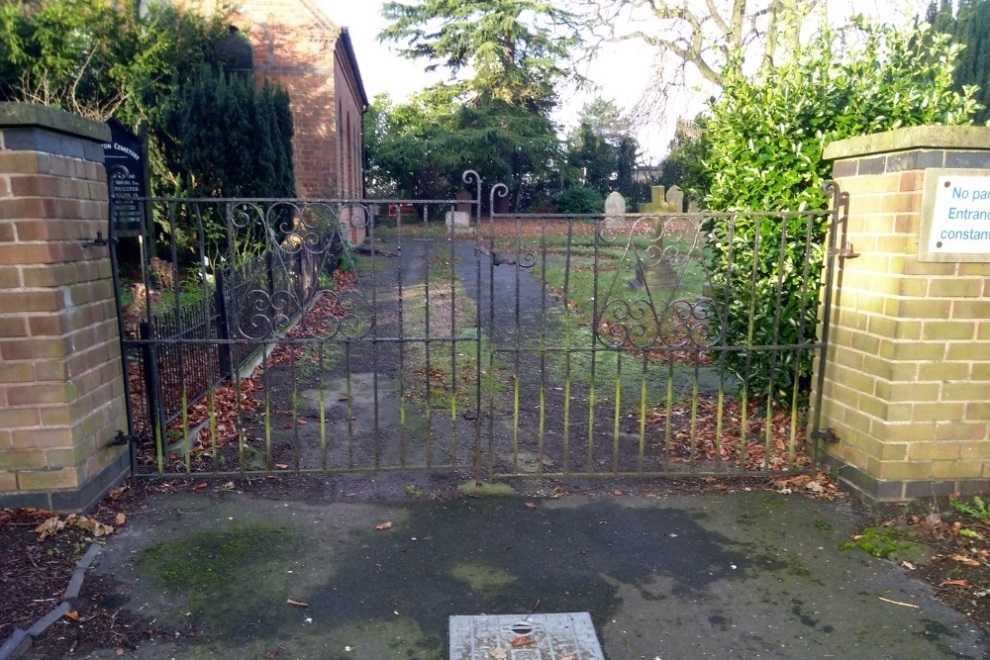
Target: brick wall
[
  {"x": 907, "y": 378},
  {"x": 61, "y": 389},
  {"x": 300, "y": 48}
]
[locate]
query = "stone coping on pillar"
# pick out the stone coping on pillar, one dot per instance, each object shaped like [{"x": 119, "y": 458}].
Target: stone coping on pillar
[
  {"x": 976, "y": 138},
  {"x": 33, "y": 115}
]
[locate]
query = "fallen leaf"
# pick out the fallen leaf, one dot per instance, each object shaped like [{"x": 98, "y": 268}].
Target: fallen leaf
[
  {"x": 815, "y": 487},
  {"x": 200, "y": 486},
  {"x": 281, "y": 466},
  {"x": 50, "y": 527},
  {"x": 617, "y": 492},
  {"x": 957, "y": 583},
  {"x": 384, "y": 526},
  {"x": 522, "y": 641},
  {"x": 962, "y": 559},
  {"x": 94, "y": 527},
  {"x": 72, "y": 615},
  {"x": 297, "y": 603},
  {"x": 908, "y": 565},
  {"x": 531, "y": 505},
  {"x": 119, "y": 519},
  {"x": 499, "y": 653},
  {"x": 120, "y": 651}
]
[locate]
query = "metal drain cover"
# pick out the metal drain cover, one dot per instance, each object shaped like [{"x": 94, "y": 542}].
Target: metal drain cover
[{"x": 554, "y": 637}]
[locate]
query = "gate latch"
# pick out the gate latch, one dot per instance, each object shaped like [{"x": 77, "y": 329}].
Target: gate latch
[
  {"x": 121, "y": 439},
  {"x": 845, "y": 252},
  {"x": 99, "y": 241}
]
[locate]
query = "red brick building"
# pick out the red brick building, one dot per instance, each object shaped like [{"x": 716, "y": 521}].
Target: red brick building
[{"x": 297, "y": 46}]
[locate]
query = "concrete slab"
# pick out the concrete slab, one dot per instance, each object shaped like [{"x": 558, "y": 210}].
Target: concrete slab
[{"x": 524, "y": 637}]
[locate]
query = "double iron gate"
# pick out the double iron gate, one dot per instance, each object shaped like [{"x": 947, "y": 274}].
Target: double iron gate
[{"x": 274, "y": 336}]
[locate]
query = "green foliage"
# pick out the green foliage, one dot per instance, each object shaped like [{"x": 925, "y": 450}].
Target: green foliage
[
  {"x": 766, "y": 136},
  {"x": 975, "y": 508},
  {"x": 579, "y": 199},
  {"x": 969, "y": 27},
  {"x": 421, "y": 148},
  {"x": 209, "y": 135},
  {"x": 516, "y": 48},
  {"x": 226, "y": 139},
  {"x": 601, "y": 153},
  {"x": 880, "y": 543},
  {"x": 684, "y": 165},
  {"x": 497, "y": 121}
]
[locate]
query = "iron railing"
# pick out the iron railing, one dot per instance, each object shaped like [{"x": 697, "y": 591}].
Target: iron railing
[{"x": 530, "y": 345}]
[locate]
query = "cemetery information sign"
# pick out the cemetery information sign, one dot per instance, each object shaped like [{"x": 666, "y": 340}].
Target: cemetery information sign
[
  {"x": 123, "y": 157},
  {"x": 955, "y": 218}
]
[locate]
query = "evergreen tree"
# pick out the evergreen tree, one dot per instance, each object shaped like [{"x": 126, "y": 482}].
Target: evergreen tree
[{"x": 972, "y": 29}]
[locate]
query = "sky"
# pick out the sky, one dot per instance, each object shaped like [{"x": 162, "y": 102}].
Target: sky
[{"x": 621, "y": 72}]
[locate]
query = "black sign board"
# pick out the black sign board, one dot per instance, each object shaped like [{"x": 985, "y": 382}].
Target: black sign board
[{"x": 124, "y": 160}]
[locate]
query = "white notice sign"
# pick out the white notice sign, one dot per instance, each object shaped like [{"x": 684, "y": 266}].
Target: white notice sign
[{"x": 957, "y": 218}]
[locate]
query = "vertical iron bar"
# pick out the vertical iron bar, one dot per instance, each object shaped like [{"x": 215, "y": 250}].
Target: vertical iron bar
[
  {"x": 543, "y": 338},
  {"x": 616, "y": 422},
  {"x": 429, "y": 366},
  {"x": 122, "y": 337},
  {"x": 829, "y": 268},
  {"x": 567, "y": 348},
  {"x": 152, "y": 386},
  {"x": 350, "y": 405},
  {"x": 402, "y": 340},
  {"x": 775, "y": 351},
  {"x": 802, "y": 325},
  {"x": 374, "y": 345},
  {"x": 453, "y": 350}
]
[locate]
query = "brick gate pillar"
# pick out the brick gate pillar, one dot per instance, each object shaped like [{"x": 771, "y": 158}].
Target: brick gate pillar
[
  {"x": 907, "y": 374},
  {"x": 61, "y": 386}
]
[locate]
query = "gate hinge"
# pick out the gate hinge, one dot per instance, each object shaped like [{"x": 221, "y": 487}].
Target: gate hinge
[
  {"x": 121, "y": 439},
  {"x": 844, "y": 252},
  {"x": 827, "y": 435}
]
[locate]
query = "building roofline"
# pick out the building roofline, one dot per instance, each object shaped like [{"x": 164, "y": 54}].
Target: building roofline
[{"x": 345, "y": 38}]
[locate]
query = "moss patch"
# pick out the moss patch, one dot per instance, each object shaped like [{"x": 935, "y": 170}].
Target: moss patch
[
  {"x": 482, "y": 577},
  {"x": 232, "y": 579},
  {"x": 485, "y": 489}
]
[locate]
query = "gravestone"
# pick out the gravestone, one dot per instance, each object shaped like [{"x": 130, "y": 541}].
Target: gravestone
[
  {"x": 615, "y": 211},
  {"x": 458, "y": 221},
  {"x": 660, "y": 275}
]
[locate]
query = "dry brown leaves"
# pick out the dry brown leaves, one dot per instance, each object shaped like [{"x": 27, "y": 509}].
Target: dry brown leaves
[
  {"x": 55, "y": 524},
  {"x": 757, "y": 453}
]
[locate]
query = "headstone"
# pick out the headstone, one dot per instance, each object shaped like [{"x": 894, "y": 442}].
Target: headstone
[
  {"x": 463, "y": 202},
  {"x": 659, "y": 274},
  {"x": 123, "y": 157},
  {"x": 458, "y": 221},
  {"x": 615, "y": 211}
]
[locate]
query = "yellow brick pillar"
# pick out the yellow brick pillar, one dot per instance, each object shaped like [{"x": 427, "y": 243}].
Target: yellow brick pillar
[
  {"x": 61, "y": 384},
  {"x": 907, "y": 375}
]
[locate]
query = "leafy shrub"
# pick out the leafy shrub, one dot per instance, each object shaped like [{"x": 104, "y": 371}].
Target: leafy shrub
[
  {"x": 579, "y": 199},
  {"x": 765, "y": 141},
  {"x": 976, "y": 508}
]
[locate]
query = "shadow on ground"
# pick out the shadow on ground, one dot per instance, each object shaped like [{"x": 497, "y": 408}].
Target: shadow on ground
[{"x": 756, "y": 575}]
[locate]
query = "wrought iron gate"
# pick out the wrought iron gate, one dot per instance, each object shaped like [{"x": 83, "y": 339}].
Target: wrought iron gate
[{"x": 275, "y": 336}]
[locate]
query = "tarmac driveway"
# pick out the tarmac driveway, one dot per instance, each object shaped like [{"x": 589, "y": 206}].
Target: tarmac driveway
[{"x": 755, "y": 575}]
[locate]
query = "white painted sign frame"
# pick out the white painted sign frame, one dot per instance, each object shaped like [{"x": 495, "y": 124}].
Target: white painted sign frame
[{"x": 950, "y": 195}]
